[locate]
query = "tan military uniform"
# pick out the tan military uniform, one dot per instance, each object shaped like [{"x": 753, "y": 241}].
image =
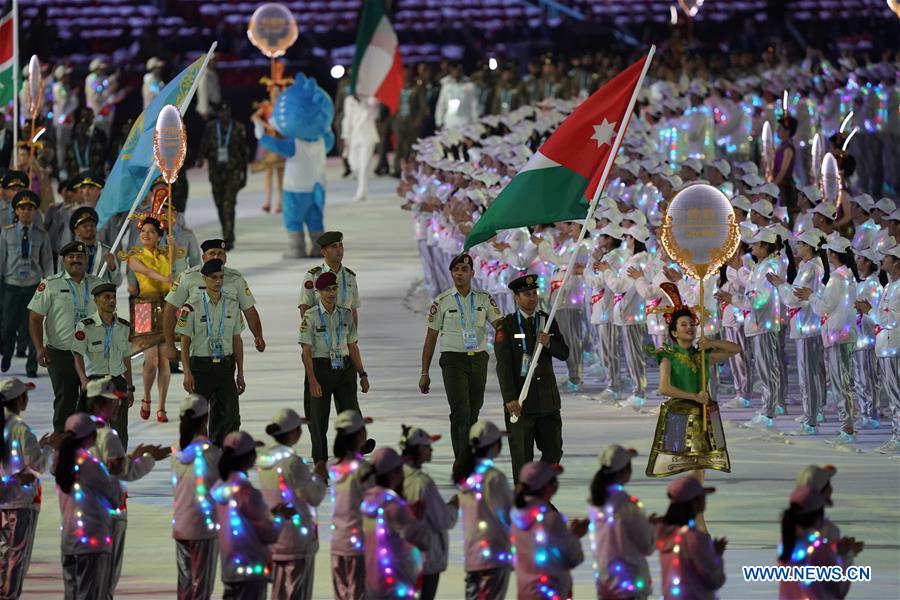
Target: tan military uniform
[{"x": 348, "y": 291}]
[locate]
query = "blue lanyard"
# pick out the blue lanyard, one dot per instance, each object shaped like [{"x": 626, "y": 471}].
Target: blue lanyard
[
  {"x": 325, "y": 325},
  {"x": 91, "y": 252},
  {"x": 12, "y": 213},
  {"x": 227, "y": 135},
  {"x": 343, "y": 301},
  {"x": 75, "y": 295},
  {"x": 107, "y": 342},
  {"x": 83, "y": 163},
  {"x": 221, "y": 318},
  {"x": 522, "y": 329},
  {"x": 462, "y": 315},
  {"x": 30, "y": 241}
]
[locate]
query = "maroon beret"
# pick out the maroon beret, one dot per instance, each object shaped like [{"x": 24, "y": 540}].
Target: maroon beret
[
  {"x": 325, "y": 280},
  {"x": 462, "y": 258}
]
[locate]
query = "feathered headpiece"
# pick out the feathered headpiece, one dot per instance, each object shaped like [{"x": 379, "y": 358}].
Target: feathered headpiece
[{"x": 668, "y": 312}]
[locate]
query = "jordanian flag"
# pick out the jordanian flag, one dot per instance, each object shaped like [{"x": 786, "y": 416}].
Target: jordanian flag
[
  {"x": 8, "y": 68},
  {"x": 559, "y": 181},
  {"x": 377, "y": 69}
]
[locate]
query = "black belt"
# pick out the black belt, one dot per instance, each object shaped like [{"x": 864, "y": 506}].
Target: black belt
[
  {"x": 213, "y": 361},
  {"x": 346, "y": 360}
]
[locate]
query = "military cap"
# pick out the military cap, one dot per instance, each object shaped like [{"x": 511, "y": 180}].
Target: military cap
[
  {"x": 212, "y": 266},
  {"x": 71, "y": 248},
  {"x": 13, "y": 179},
  {"x": 26, "y": 197},
  {"x": 101, "y": 288},
  {"x": 462, "y": 258},
  {"x": 87, "y": 179},
  {"x": 330, "y": 237},
  {"x": 85, "y": 213},
  {"x": 325, "y": 280},
  {"x": 523, "y": 284},
  {"x": 211, "y": 244}
]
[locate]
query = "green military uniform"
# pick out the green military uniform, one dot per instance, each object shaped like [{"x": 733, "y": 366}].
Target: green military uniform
[
  {"x": 211, "y": 327},
  {"x": 540, "y": 420},
  {"x": 408, "y": 120},
  {"x": 507, "y": 98},
  {"x": 25, "y": 258},
  {"x": 348, "y": 291},
  {"x": 191, "y": 280},
  {"x": 328, "y": 335},
  {"x": 224, "y": 146},
  {"x": 64, "y": 302},
  {"x": 104, "y": 349},
  {"x": 462, "y": 322},
  {"x": 86, "y": 151}
]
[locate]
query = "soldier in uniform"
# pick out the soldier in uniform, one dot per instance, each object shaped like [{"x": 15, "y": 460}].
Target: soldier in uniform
[
  {"x": 191, "y": 279},
  {"x": 539, "y": 419},
  {"x": 83, "y": 226},
  {"x": 409, "y": 118},
  {"x": 210, "y": 326},
  {"x": 507, "y": 95},
  {"x": 331, "y": 359},
  {"x": 56, "y": 219},
  {"x": 14, "y": 182},
  {"x": 331, "y": 244},
  {"x": 101, "y": 349},
  {"x": 460, "y": 317},
  {"x": 224, "y": 147},
  {"x": 61, "y": 301},
  {"x": 86, "y": 150},
  {"x": 25, "y": 259}
]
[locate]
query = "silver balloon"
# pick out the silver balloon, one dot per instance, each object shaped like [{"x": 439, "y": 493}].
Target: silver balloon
[
  {"x": 767, "y": 151},
  {"x": 35, "y": 86},
  {"x": 817, "y": 155},
  {"x": 699, "y": 231},
  {"x": 169, "y": 143},
  {"x": 831, "y": 179}
]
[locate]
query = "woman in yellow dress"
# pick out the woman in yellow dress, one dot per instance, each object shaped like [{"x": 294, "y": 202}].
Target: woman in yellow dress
[{"x": 153, "y": 274}]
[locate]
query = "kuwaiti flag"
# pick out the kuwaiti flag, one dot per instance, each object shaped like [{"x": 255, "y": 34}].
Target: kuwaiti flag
[
  {"x": 559, "y": 181},
  {"x": 377, "y": 69}
]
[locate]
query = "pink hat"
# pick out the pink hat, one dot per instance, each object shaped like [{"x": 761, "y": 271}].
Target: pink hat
[
  {"x": 240, "y": 443},
  {"x": 386, "y": 460},
  {"x": 536, "y": 474},
  {"x": 808, "y": 498},
  {"x": 80, "y": 425},
  {"x": 686, "y": 488}
]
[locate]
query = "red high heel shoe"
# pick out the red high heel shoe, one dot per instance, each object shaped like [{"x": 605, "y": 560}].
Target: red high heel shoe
[
  {"x": 161, "y": 416},
  {"x": 145, "y": 409}
]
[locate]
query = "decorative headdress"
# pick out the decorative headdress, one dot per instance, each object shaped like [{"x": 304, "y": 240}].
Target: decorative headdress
[
  {"x": 157, "y": 210},
  {"x": 668, "y": 312}
]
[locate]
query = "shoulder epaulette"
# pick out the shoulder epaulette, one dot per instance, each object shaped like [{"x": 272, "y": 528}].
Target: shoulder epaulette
[
  {"x": 314, "y": 270},
  {"x": 350, "y": 271},
  {"x": 88, "y": 321},
  {"x": 54, "y": 276},
  {"x": 124, "y": 322},
  {"x": 10, "y": 226}
]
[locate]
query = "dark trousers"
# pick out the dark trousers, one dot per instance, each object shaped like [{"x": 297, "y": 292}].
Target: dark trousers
[
  {"x": 66, "y": 386},
  {"x": 429, "y": 586},
  {"x": 225, "y": 197},
  {"x": 120, "y": 422},
  {"x": 544, "y": 430},
  {"x": 215, "y": 382},
  {"x": 464, "y": 377},
  {"x": 337, "y": 383},
  {"x": 255, "y": 589},
  {"x": 15, "y": 322}
]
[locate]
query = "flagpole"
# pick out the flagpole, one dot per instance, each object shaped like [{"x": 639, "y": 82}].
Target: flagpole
[
  {"x": 151, "y": 173},
  {"x": 591, "y": 209},
  {"x": 15, "y": 78}
]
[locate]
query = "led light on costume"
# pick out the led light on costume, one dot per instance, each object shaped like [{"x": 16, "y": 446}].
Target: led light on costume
[
  {"x": 606, "y": 514},
  {"x": 337, "y": 472},
  {"x": 397, "y": 589},
  {"x": 201, "y": 492},
  {"x": 236, "y": 527}
]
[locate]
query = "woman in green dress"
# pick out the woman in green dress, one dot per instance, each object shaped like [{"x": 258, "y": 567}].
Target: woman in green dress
[{"x": 681, "y": 443}]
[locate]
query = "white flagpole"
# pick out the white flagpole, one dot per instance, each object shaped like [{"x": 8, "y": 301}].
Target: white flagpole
[
  {"x": 591, "y": 209},
  {"x": 152, "y": 172},
  {"x": 15, "y": 78}
]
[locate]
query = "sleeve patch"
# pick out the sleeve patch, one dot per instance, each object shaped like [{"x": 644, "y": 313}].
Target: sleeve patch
[
  {"x": 432, "y": 312},
  {"x": 494, "y": 304},
  {"x": 42, "y": 287},
  {"x": 247, "y": 289},
  {"x": 309, "y": 284},
  {"x": 500, "y": 337},
  {"x": 303, "y": 325},
  {"x": 79, "y": 335}
]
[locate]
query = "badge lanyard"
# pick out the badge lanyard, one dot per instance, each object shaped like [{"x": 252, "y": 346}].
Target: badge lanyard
[
  {"x": 80, "y": 311},
  {"x": 107, "y": 342},
  {"x": 83, "y": 163},
  {"x": 91, "y": 252},
  {"x": 337, "y": 359},
  {"x": 343, "y": 285},
  {"x": 526, "y": 355},
  {"x": 470, "y": 337},
  {"x": 217, "y": 347},
  {"x": 24, "y": 263},
  {"x": 222, "y": 155}
]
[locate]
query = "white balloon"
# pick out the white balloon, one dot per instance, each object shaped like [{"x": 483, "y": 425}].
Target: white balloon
[
  {"x": 831, "y": 178},
  {"x": 35, "y": 84}
]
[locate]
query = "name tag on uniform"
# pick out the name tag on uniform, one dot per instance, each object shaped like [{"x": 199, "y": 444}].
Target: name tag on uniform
[
  {"x": 97, "y": 343},
  {"x": 470, "y": 339},
  {"x": 519, "y": 336},
  {"x": 216, "y": 348},
  {"x": 526, "y": 363}
]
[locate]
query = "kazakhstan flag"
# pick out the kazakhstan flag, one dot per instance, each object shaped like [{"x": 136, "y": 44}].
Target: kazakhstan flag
[{"x": 136, "y": 157}]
